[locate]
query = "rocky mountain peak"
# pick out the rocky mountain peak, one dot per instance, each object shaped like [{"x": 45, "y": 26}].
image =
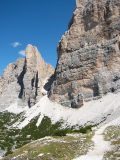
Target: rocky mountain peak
[
  {"x": 24, "y": 79},
  {"x": 89, "y": 54},
  {"x": 32, "y": 52},
  {"x": 80, "y": 3}
]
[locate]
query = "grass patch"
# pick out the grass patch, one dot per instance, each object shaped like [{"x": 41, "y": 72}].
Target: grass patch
[{"x": 57, "y": 148}]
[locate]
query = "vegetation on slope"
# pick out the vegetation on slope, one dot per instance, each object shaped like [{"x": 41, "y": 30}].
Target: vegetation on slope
[
  {"x": 57, "y": 148},
  {"x": 13, "y": 138}
]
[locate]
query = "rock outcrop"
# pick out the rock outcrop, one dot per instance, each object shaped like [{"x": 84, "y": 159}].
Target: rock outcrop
[
  {"x": 23, "y": 80},
  {"x": 88, "y": 54}
]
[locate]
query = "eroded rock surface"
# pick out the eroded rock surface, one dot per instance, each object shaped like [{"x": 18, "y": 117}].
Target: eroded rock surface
[
  {"x": 23, "y": 80},
  {"x": 88, "y": 54}
]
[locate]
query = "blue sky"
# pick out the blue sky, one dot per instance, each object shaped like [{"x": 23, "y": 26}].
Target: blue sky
[{"x": 37, "y": 22}]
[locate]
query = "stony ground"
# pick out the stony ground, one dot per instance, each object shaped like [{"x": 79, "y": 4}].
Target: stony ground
[{"x": 112, "y": 134}]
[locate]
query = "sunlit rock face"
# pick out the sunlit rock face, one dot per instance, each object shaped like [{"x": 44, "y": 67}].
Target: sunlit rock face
[
  {"x": 88, "y": 54},
  {"x": 34, "y": 73},
  {"x": 22, "y": 81}
]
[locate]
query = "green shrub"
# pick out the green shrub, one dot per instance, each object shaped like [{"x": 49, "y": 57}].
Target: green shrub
[
  {"x": 86, "y": 129},
  {"x": 60, "y": 133}
]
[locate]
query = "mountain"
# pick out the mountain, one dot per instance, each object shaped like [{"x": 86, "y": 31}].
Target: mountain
[
  {"x": 72, "y": 113},
  {"x": 88, "y": 54},
  {"x": 23, "y": 80}
]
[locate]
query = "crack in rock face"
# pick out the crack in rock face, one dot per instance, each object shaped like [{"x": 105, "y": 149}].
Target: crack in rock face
[{"x": 88, "y": 54}]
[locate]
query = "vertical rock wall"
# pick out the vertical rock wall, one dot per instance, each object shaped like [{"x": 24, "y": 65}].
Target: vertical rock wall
[{"x": 88, "y": 54}]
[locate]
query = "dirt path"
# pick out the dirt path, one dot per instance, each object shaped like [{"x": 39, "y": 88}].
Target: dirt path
[{"x": 100, "y": 147}]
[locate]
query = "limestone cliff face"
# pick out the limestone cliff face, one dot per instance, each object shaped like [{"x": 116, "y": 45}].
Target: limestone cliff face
[
  {"x": 88, "y": 54},
  {"x": 34, "y": 73},
  {"x": 24, "y": 79}
]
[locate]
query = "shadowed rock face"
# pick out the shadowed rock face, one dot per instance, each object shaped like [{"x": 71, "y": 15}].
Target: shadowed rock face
[
  {"x": 24, "y": 79},
  {"x": 88, "y": 54}
]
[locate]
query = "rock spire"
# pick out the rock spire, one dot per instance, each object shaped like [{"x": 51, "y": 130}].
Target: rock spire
[{"x": 23, "y": 80}]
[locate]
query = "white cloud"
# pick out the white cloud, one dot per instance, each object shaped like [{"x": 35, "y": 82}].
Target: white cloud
[
  {"x": 22, "y": 52},
  {"x": 16, "y": 44}
]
